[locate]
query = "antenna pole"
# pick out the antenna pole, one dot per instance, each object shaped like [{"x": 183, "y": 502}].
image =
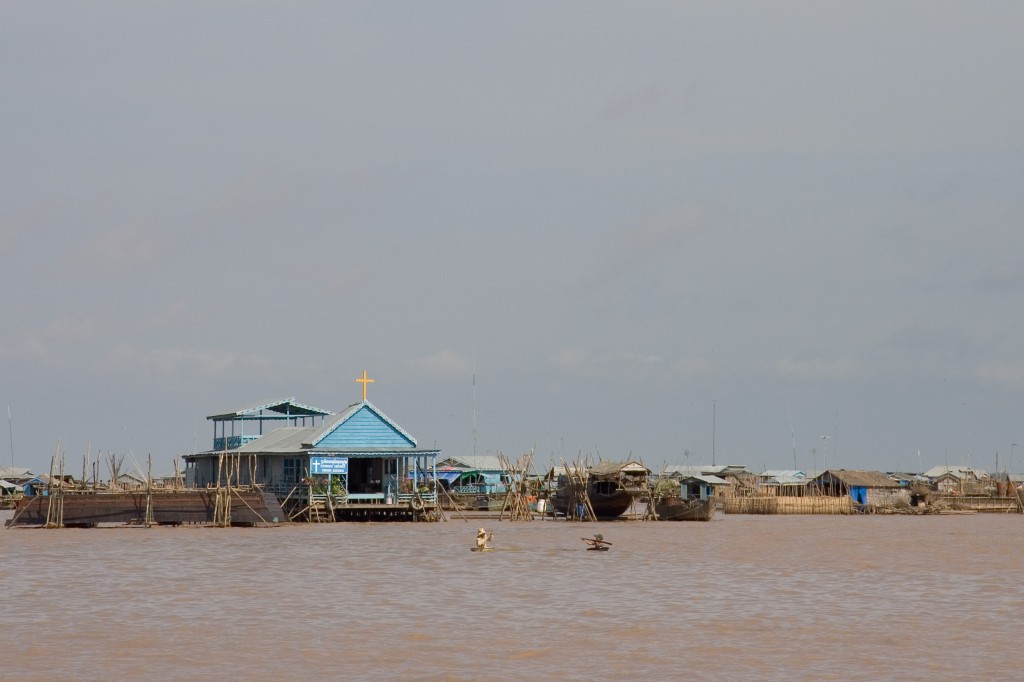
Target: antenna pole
[
  {"x": 835, "y": 440},
  {"x": 474, "y": 400},
  {"x": 792, "y": 435},
  {"x": 10, "y": 429},
  {"x": 714, "y": 430}
]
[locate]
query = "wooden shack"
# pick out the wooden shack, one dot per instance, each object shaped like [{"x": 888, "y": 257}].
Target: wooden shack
[{"x": 867, "y": 489}]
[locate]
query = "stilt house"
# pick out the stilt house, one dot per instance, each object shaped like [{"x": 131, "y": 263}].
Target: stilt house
[{"x": 359, "y": 454}]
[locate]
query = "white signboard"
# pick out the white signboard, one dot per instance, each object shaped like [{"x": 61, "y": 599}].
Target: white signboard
[{"x": 328, "y": 465}]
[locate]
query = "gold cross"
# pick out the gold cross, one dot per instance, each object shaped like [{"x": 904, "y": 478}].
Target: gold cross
[{"x": 364, "y": 381}]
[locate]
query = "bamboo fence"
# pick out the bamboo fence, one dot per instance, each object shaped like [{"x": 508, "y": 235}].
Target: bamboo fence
[{"x": 771, "y": 504}]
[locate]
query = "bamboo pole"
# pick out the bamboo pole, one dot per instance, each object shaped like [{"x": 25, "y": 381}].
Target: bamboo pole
[
  {"x": 455, "y": 507},
  {"x": 148, "y": 520},
  {"x": 49, "y": 490},
  {"x": 55, "y": 503},
  {"x": 60, "y": 495}
]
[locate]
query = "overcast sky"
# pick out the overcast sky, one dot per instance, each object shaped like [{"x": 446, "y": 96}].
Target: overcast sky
[{"x": 677, "y": 231}]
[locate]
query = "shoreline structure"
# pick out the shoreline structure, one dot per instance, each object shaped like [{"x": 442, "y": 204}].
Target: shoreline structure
[{"x": 281, "y": 461}]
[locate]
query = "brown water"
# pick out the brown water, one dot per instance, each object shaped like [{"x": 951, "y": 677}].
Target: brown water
[{"x": 743, "y": 597}]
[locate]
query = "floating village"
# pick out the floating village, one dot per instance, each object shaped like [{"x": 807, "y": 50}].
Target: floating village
[{"x": 283, "y": 461}]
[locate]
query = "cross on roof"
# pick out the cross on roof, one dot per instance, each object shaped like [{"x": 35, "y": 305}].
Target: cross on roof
[{"x": 364, "y": 381}]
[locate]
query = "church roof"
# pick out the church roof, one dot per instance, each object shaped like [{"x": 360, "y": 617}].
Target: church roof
[
  {"x": 360, "y": 411},
  {"x": 361, "y": 430}
]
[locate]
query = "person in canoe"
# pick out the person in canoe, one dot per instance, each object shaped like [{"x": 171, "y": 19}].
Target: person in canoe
[
  {"x": 482, "y": 538},
  {"x": 597, "y": 543}
]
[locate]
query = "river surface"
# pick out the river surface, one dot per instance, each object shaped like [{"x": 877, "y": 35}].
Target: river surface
[{"x": 742, "y": 597}]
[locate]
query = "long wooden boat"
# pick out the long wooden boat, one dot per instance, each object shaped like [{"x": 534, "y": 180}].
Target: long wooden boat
[
  {"x": 86, "y": 510},
  {"x": 611, "y": 488},
  {"x": 675, "y": 508}
]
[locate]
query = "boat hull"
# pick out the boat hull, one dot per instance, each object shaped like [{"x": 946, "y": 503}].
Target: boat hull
[
  {"x": 605, "y": 507},
  {"x": 194, "y": 505},
  {"x": 678, "y": 509}
]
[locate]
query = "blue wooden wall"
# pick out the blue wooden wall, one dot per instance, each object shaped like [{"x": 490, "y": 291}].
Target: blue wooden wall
[{"x": 365, "y": 429}]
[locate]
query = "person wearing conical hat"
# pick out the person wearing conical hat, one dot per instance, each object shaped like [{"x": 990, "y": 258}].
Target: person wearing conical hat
[{"x": 481, "y": 538}]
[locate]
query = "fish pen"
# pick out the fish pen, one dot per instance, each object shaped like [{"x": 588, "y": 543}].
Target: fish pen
[
  {"x": 574, "y": 495},
  {"x": 517, "y": 496}
]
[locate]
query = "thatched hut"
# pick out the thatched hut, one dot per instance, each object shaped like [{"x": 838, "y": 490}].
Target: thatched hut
[{"x": 868, "y": 489}]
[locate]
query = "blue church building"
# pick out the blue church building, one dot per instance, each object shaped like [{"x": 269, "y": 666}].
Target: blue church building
[{"x": 357, "y": 459}]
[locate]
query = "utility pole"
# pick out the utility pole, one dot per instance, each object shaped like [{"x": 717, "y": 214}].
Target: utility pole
[
  {"x": 713, "y": 430},
  {"x": 10, "y": 428}
]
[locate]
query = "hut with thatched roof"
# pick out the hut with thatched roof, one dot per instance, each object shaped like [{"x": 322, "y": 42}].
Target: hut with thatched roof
[{"x": 868, "y": 489}]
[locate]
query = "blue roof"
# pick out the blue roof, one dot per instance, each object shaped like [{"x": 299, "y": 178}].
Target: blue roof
[{"x": 362, "y": 425}]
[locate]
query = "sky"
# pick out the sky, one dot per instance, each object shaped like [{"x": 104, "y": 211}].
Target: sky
[{"x": 780, "y": 234}]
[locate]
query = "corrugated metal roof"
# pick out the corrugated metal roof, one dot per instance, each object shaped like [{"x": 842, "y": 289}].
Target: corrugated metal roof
[
  {"x": 286, "y": 439},
  {"x": 285, "y": 406},
  {"x": 787, "y": 479},
  {"x": 693, "y": 469},
  {"x": 16, "y": 473},
  {"x": 790, "y": 473},
  {"x": 483, "y": 462},
  {"x": 958, "y": 471},
  {"x": 710, "y": 479}
]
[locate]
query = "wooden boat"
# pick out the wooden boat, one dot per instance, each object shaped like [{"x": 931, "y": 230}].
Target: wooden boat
[
  {"x": 173, "y": 507},
  {"x": 605, "y": 505},
  {"x": 611, "y": 488},
  {"x": 675, "y": 508}
]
